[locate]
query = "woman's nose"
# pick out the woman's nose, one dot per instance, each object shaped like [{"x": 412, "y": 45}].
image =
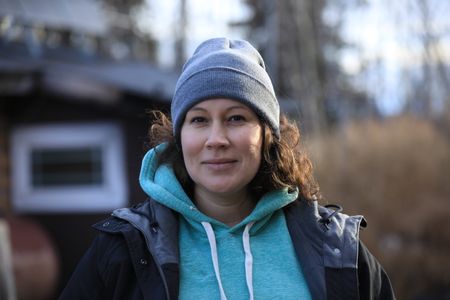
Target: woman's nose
[{"x": 217, "y": 137}]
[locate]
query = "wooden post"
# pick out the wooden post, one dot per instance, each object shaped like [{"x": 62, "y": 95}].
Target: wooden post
[{"x": 7, "y": 288}]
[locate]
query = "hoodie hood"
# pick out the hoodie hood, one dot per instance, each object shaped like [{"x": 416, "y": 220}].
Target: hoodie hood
[
  {"x": 230, "y": 249},
  {"x": 161, "y": 184}
]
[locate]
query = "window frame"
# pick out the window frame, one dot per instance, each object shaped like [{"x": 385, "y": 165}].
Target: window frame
[{"x": 111, "y": 194}]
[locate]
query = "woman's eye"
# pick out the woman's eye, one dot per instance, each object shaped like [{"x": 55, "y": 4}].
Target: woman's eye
[
  {"x": 198, "y": 119},
  {"x": 237, "y": 118}
]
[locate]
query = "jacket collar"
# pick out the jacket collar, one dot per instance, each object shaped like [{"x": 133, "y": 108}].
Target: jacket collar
[{"x": 158, "y": 225}]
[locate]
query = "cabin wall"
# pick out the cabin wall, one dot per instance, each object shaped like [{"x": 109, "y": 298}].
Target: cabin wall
[{"x": 71, "y": 232}]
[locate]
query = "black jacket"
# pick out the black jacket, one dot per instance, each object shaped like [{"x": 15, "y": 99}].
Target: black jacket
[{"x": 136, "y": 256}]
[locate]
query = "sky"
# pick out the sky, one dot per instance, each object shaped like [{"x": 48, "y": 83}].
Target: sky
[
  {"x": 383, "y": 36},
  {"x": 206, "y": 19},
  {"x": 387, "y": 36}
]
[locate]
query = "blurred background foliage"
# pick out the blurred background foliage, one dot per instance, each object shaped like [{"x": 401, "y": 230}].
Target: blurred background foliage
[{"x": 395, "y": 172}]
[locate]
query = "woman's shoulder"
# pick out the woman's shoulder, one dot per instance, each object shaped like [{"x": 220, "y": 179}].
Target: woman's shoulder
[
  {"x": 112, "y": 225},
  {"x": 120, "y": 221},
  {"x": 332, "y": 215},
  {"x": 110, "y": 240},
  {"x": 335, "y": 233},
  {"x": 328, "y": 217}
]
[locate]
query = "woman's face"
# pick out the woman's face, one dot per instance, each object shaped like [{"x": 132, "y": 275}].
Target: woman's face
[{"x": 221, "y": 140}]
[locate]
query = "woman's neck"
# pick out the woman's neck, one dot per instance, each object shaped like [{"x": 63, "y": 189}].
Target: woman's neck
[{"x": 229, "y": 209}]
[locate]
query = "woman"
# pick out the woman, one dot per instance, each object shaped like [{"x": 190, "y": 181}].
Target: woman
[{"x": 232, "y": 210}]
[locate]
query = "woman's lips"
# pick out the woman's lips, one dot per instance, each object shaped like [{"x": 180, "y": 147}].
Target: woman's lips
[{"x": 219, "y": 164}]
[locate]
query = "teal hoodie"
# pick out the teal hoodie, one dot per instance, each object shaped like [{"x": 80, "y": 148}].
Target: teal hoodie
[{"x": 253, "y": 259}]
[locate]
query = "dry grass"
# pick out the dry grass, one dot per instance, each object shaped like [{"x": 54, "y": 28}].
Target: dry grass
[{"x": 397, "y": 174}]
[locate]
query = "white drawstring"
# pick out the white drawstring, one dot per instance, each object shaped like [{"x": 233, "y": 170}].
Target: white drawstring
[
  {"x": 248, "y": 258},
  {"x": 212, "y": 244}
]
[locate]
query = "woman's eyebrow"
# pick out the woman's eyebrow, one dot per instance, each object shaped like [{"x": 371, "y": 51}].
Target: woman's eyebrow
[
  {"x": 237, "y": 107},
  {"x": 197, "y": 109}
]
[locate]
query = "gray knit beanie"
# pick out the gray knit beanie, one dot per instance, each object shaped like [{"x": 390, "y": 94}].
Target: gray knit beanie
[{"x": 224, "y": 68}]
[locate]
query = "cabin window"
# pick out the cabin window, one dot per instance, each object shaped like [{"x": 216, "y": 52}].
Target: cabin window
[{"x": 68, "y": 167}]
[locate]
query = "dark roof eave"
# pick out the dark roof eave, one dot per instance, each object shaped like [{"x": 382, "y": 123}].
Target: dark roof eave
[{"x": 102, "y": 81}]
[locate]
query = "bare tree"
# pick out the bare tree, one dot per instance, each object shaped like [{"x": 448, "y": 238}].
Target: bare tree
[
  {"x": 434, "y": 68},
  {"x": 125, "y": 34},
  {"x": 302, "y": 48},
  {"x": 180, "y": 34},
  {"x": 426, "y": 79}
]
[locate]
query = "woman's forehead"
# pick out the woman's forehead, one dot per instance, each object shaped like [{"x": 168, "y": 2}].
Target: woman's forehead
[{"x": 219, "y": 103}]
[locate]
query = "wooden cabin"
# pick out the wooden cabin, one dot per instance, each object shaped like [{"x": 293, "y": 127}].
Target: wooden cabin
[{"x": 73, "y": 130}]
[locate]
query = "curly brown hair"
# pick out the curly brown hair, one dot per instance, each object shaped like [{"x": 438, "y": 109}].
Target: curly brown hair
[{"x": 284, "y": 161}]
